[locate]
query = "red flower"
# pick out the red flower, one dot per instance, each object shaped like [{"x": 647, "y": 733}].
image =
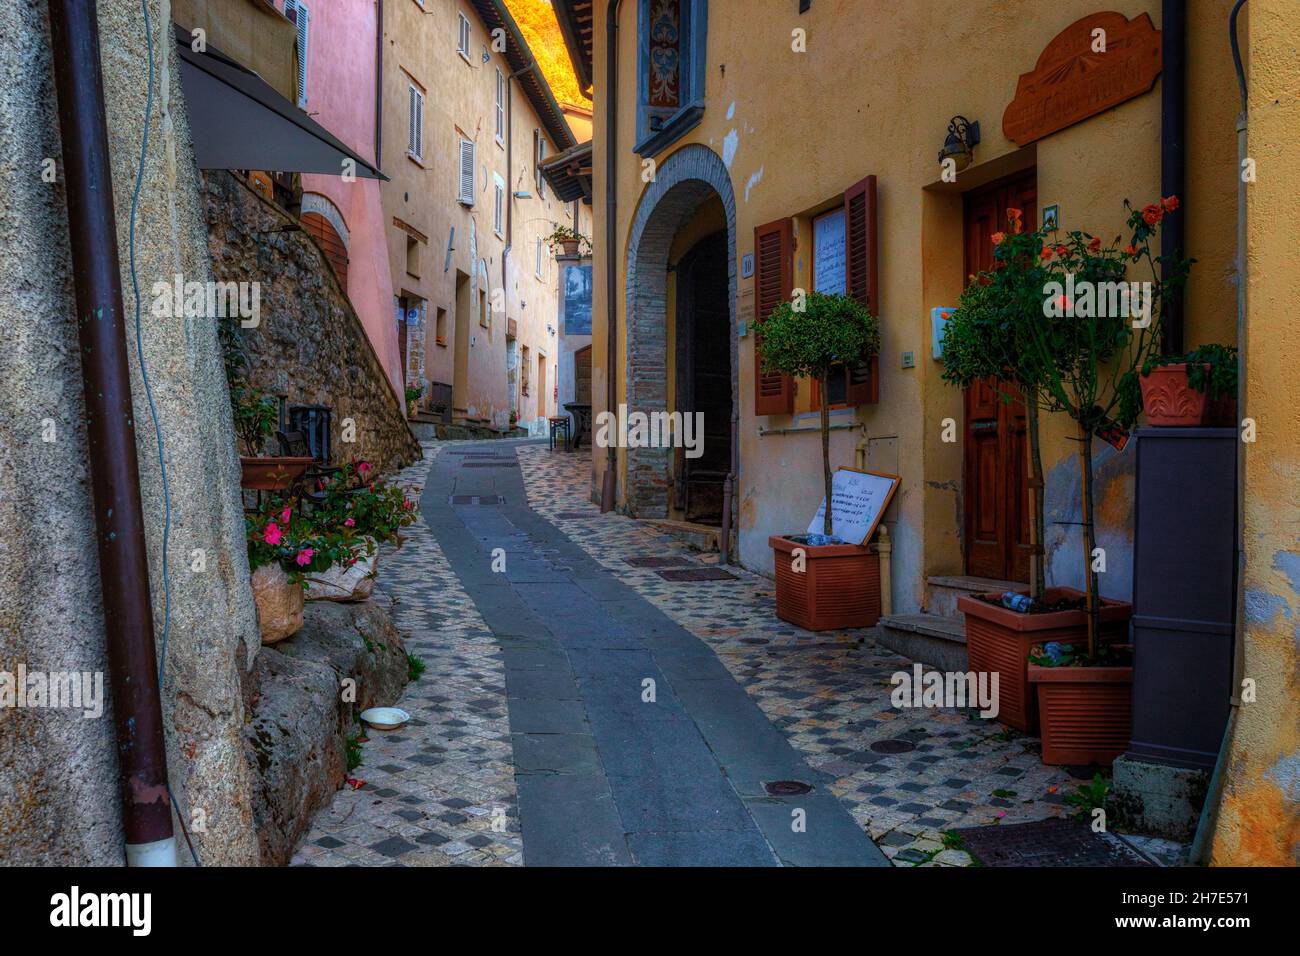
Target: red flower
[
  {"x": 1046, "y": 253},
  {"x": 1095, "y": 245},
  {"x": 1152, "y": 214},
  {"x": 1062, "y": 251},
  {"x": 1170, "y": 203},
  {"x": 1014, "y": 216},
  {"x": 1132, "y": 250},
  {"x": 998, "y": 238}
]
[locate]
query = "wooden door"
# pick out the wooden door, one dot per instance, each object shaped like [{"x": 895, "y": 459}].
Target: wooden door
[{"x": 995, "y": 450}]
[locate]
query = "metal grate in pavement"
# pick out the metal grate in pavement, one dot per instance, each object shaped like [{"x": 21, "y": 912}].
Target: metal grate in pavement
[
  {"x": 659, "y": 561},
  {"x": 690, "y": 575},
  {"x": 565, "y": 515},
  {"x": 476, "y": 500},
  {"x": 1054, "y": 842},
  {"x": 502, "y": 463}
]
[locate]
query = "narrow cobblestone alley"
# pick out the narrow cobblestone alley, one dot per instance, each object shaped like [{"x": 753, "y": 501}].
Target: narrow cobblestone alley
[{"x": 533, "y": 739}]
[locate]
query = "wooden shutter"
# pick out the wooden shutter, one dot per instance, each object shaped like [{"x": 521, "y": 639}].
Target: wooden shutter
[
  {"x": 861, "y": 281},
  {"x": 467, "y": 161},
  {"x": 773, "y": 284},
  {"x": 298, "y": 14}
]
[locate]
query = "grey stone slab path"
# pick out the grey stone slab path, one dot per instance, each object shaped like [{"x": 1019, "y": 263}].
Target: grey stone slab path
[{"x": 632, "y": 744}]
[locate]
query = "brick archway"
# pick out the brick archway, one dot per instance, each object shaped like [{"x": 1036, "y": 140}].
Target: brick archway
[{"x": 682, "y": 183}]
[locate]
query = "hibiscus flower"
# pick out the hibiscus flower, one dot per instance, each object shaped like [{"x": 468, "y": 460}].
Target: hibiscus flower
[
  {"x": 271, "y": 534},
  {"x": 304, "y": 557}
]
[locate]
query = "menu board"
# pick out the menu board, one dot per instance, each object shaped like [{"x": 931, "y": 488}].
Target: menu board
[
  {"x": 828, "y": 252},
  {"x": 859, "y": 499}
]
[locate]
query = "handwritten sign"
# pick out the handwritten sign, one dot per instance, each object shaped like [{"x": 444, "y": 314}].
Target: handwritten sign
[
  {"x": 828, "y": 252},
  {"x": 1093, "y": 64},
  {"x": 859, "y": 499}
]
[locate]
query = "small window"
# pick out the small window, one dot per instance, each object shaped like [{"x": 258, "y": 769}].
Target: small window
[
  {"x": 462, "y": 40},
  {"x": 523, "y": 371},
  {"x": 468, "y": 161},
  {"x": 499, "y": 206},
  {"x": 539, "y": 154},
  {"x": 440, "y": 329},
  {"x": 537, "y": 268},
  {"x": 501, "y": 107},
  {"x": 413, "y": 257},
  {"x": 297, "y": 14},
  {"x": 415, "y": 128}
]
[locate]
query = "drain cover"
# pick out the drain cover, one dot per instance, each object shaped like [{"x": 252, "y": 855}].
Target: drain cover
[
  {"x": 501, "y": 463},
  {"x": 697, "y": 574},
  {"x": 1053, "y": 842},
  {"x": 476, "y": 500},
  {"x": 786, "y": 788},
  {"x": 893, "y": 746},
  {"x": 576, "y": 514}
]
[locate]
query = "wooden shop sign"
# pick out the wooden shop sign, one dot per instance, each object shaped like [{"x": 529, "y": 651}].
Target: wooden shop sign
[{"x": 1093, "y": 64}]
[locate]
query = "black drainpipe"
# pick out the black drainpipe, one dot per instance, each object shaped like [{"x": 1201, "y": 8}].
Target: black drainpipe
[
  {"x": 1173, "y": 155},
  {"x": 609, "y": 484},
  {"x": 106, "y": 382},
  {"x": 379, "y": 83}
]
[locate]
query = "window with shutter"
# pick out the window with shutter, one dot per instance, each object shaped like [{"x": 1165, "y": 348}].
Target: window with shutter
[
  {"x": 415, "y": 135},
  {"x": 541, "y": 155},
  {"x": 467, "y": 163},
  {"x": 462, "y": 38},
  {"x": 501, "y": 107},
  {"x": 773, "y": 284},
  {"x": 297, "y": 13},
  {"x": 499, "y": 205},
  {"x": 861, "y": 257}
]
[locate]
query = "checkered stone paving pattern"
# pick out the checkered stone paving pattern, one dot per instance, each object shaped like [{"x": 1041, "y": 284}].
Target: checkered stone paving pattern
[
  {"x": 441, "y": 790},
  {"x": 828, "y": 692}
]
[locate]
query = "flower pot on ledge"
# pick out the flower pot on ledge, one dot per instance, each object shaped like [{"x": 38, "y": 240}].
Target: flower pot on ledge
[
  {"x": 1086, "y": 712},
  {"x": 838, "y": 588},
  {"x": 998, "y": 640},
  {"x": 1170, "y": 401},
  {"x": 271, "y": 474}
]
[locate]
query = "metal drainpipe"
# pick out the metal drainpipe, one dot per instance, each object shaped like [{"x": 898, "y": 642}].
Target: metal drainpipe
[
  {"x": 1173, "y": 153},
  {"x": 379, "y": 83},
  {"x": 106, "y": 383},
  {"x": 608, "y": 483}
]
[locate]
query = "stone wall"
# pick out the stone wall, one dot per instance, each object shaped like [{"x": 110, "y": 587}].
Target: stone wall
[
  {"x": 309, "y": 340},
  {"x": 59, "y": 789}
]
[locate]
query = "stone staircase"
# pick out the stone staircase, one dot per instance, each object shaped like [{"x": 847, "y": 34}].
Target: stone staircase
[
  {"x": 430, "y": 428},
  {"x": 937, "y": 636}
]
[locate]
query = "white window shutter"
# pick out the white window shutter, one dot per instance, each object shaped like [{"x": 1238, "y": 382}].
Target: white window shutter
[
  {"x": 301, "y": 17},
  {"x": 467, "y": 163},
  {"x": 419, "y": 124},
  {"x": 412, "y": 144}
]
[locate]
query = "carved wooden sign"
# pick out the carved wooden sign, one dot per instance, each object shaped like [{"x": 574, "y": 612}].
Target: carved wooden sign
[{"x": 1090, "y": 66}]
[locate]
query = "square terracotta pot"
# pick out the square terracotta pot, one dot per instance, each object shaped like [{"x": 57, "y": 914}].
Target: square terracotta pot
[
  {"x": 1086, "y": 712},
  {"x": 999, "y": 639},
  {"x": 838, "y": 588}
]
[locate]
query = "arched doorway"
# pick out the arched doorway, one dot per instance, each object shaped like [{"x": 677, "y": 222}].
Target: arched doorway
[
  {"x": 323, "y": 221},
  {"x": 660, "y": 478}
]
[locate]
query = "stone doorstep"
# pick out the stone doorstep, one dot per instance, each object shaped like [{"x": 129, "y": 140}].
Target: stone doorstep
[
  {"x": 698, "y": 537},
  {"x": 942, "y": 591},
  {"x": 927, "y": 638}
]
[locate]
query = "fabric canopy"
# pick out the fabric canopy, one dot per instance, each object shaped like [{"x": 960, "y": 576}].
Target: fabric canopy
[{"x": 237, "y": 121}]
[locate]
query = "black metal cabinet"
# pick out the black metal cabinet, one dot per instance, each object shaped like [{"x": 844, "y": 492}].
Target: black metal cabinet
[{"x": 1184, "y": 588}]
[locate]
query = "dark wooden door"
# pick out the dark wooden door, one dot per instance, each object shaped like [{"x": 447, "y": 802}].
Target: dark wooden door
[
  {"x": 703, "y": 378},
  {"x": 995, "y": 436}
]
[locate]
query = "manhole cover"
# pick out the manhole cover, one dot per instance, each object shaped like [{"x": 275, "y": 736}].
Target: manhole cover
[
  {"x": 476, "y": 500},
  {"x": 893, "y": 746},
  {"x": 698, "y": 574},
  {"x": 658, "y": 561},
  {"x": 1053, "y": 842},
  {"x": 786, "y": 788}
]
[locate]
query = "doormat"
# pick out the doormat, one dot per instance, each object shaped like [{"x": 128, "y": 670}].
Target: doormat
[
  {"x": 659, "y": 561},
  {"x": 1054, "y": 842},
  {"x": 697, "y": 574},
  {"x": 476, "y": 500}
]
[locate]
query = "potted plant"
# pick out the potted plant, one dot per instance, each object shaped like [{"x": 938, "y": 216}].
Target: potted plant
[
  {"x": 255, "y": 419},
  {"x": 822, "y": 583},
  {"x": 283, "y": 546},
  {"x": 1198, "y": 388},
  {"x": 568, "y": 241},
  {"x": 413, "y": 393}
]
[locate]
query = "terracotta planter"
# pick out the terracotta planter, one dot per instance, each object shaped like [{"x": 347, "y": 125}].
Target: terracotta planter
[
  {"x": 838, "y": 588},
  {"x": 271, "y": 474},
  {"x": 279, "y": 603},
  {"x": 570, "y": 246},
  {"x": 998, "y": 640},
  {"x": 1170, "y": 401},
  {"x": 1087, "y": 712}
]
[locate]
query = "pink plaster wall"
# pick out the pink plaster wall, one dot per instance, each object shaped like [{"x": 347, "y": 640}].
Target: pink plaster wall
[{"x": 341, "y": 97}]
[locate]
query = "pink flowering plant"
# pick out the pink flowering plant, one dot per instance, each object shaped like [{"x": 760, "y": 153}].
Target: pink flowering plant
[
  {"x": 278, "y": 533},
  {"x": 356, "y": 503}
]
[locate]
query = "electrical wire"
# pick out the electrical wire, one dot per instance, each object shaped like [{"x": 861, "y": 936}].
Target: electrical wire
[{"x": 148, "y": 390}]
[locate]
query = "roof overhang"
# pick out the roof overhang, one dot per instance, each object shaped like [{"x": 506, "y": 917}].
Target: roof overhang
[
  {"x": 576, "y": 25},
  {"x": 569, "y": 173},
  {"x": 238, "y": 121}
]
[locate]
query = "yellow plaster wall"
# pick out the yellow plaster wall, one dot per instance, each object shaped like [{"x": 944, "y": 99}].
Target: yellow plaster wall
[{"x": 873, "y": 94}]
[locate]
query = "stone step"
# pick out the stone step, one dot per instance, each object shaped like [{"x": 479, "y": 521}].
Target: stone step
[
  {"x": 928, "y": 638},
  {"x": 698, "y": 537},
  {"x": 944, "y": 589}
]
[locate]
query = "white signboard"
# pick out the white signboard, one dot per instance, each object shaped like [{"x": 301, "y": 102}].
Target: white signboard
[
  {"x": 828, "y": 252},
  {"x": 860, "y": 499}
]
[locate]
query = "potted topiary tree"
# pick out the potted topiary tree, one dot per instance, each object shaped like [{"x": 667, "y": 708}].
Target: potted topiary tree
[{"x": 822, "y": 583}]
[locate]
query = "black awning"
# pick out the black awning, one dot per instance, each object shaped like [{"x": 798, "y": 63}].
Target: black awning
[{"x": 238, "y": 121}]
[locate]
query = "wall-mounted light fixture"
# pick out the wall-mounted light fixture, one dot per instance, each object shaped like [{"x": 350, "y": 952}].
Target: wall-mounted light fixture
[{"x": 959, "y": 146}]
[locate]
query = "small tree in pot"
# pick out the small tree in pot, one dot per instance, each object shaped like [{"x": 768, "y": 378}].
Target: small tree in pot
[
  {"x": 831, "y": 585},
  {"x": 808, "y": 338}
]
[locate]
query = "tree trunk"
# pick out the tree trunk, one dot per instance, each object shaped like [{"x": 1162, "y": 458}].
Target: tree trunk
[
  {"x": 826, "y": 455},
  {"x": 1089, "y": 539},
  {"x": 1037, "y": 576}
]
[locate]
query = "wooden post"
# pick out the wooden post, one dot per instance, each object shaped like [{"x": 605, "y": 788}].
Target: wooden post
[{"x": 885, "y": 547}]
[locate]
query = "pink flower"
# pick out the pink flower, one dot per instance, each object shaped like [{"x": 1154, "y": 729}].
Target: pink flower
[
  {"x": 286, "y": 514},
  {"x": 351, "y": 522},
  {"x": 271, "y": 535},
  {"x": 363, "y": 467},
  {"x": 304, "y": 557}
]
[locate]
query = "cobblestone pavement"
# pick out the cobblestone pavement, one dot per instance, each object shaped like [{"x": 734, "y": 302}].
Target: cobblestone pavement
[
  {"x": 441, "y": 790},
  {"x": 905, "y": 775}
]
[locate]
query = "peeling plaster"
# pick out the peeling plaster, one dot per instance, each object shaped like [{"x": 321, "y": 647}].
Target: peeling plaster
[
  {"x": 1262, "y": 607},
  {"x": 731, "y": 110},
  {"x": 729, "y": 146},
  {"x": 1288, "y": 562},
  {"x": 754, "y": 180},
  {"x": 1286, "y": 774}
]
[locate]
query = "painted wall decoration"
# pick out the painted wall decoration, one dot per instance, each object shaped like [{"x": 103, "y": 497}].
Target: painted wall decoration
[
  {"x": 665, "y": 53},
  {"x": 1092, "y": 65},
  {"x": 577, "y": 299}
]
